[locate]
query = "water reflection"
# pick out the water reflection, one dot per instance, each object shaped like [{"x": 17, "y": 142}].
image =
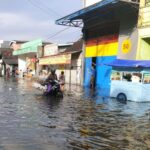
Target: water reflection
[
  {"x": 79, "y": 121},
  {"x": 104, "y": 123}
]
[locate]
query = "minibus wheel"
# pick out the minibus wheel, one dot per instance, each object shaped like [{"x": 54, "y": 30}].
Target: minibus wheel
[{"x": 121, "y": 97}]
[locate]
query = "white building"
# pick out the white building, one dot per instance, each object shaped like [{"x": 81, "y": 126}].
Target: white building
[{"x": 27, "y": 55}]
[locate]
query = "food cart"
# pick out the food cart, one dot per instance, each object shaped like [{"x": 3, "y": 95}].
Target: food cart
[{"x": 130, "y": 80}]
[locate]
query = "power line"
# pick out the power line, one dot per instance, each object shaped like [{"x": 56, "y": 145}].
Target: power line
[
  {"x": 55, "y": 12},
  {"x": 43, "y": 8},
  {"x": 55, "y": 34},
  {"x": 47, "y": 12},
  {"x": 35, "y": 5}
]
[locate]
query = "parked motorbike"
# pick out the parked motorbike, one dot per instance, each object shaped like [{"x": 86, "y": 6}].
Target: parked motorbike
[{"x": 53, "y": 88}]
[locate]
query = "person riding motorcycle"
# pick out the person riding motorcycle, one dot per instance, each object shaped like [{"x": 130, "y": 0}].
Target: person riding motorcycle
[
  {"x": 51, "y": 79},
  {"x": 52, "y": 75},
  {"x": 53, "y": 86}
]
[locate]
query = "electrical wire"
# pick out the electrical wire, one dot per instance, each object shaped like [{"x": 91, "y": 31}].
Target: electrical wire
[
  {"x": 46, "y": 11},
  {"x": 55, "y": 34},
  {"x": 50, "y": 9}
]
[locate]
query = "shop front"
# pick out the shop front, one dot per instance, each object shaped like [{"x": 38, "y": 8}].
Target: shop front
[
  {"x": 59, "y": 62},
  {"x": 69, "y": 60},
  {"x": 27, "y": 56},
  {"x": 70, "y": 63}
]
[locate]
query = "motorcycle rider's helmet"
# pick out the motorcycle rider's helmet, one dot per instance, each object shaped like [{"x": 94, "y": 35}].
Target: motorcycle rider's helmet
[{"x": 53, "y": 70}]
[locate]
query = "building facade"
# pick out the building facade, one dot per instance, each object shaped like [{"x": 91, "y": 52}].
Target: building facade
[
  {"x": 7, "y": 60},
  {"x": 63, "y": 57},
  {"x": 27, "y": 55},
  {"x": 143, "y": 50},
  {"x": 110, "y": 31}
]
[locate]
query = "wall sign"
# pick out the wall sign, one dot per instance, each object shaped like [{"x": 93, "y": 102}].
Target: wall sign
[
  {"x": 51, "y": 49},
  {"x": 126, "y": 46},
  {"x": 53, "y": 60}
]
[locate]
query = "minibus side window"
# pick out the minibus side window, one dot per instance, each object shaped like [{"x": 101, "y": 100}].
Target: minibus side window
[
  {"x": 126, "y": 76},
  {"x": 115, "y": 75},
  {"x": 146, "y": 78},
  {"x": 136, "y": 77}
]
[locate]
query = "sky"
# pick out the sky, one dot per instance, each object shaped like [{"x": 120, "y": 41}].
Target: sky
[{"x": 33, "y": 19}]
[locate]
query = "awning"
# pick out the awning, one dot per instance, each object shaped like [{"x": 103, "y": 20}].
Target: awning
[
  {"x": 129, "y": 63},
  {"x": 27, "y": 50},
  {"x": 103, "y": 7},
  {"x": 28, "y": 47},
  {"x": 55, "y": 60},
  {"x": 76, "y": 47}
]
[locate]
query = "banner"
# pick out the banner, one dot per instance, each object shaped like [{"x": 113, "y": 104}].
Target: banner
[
  {"x": 30, "y": 63},
  {"x": 58, "y": 59}
]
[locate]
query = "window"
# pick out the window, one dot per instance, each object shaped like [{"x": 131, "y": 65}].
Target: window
[
  {"x": 126, "y": 76},
  {"x": 146, "y": 78},
  {"x": 115, "y": 75},
  {"x": 136, "y": 77}
]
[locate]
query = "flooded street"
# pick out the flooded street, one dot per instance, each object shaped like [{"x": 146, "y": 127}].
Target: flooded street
[{"x": 79, "y": 121}]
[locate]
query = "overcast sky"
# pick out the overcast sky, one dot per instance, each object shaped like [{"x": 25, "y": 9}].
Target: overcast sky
[{"x": 32, "y": 19}]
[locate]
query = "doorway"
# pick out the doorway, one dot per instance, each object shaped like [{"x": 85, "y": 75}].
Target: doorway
[{"x": 93, "y": 73}]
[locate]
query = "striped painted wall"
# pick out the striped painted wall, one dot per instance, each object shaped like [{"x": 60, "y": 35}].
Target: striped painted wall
[
  {"x": 105, "y": 49},
  {"x": 102, "y": 46}
]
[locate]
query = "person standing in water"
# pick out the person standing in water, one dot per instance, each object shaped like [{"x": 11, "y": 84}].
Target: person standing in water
[
  {"x": 92, "y": 79},
  {"x": 62, "y": 80},
  {"x": 8, "y": 73}
]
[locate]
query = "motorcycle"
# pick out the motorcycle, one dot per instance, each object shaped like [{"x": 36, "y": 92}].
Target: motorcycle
[{"x": 53, "y": 88}]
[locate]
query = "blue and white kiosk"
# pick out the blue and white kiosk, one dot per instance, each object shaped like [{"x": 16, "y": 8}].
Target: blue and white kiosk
[{"x": 130, "y": 80}]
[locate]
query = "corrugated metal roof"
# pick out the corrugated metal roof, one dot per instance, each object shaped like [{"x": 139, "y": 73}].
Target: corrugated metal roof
[
  {"x": 76, "y": 47},
  {"x": 75, "y": 19}
]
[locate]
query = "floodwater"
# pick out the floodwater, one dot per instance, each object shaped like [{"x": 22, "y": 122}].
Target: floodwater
[{"x": 79, "y": 121}]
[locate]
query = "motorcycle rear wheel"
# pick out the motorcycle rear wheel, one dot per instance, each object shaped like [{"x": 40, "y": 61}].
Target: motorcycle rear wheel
[{"x": 60, "y": 94}]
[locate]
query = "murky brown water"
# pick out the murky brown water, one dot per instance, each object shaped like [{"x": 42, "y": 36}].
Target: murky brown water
[{"x": 29, "y": 121}]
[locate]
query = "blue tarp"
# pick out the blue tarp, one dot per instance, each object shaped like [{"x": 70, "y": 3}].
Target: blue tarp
[{"x": 129, "y": 63}]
